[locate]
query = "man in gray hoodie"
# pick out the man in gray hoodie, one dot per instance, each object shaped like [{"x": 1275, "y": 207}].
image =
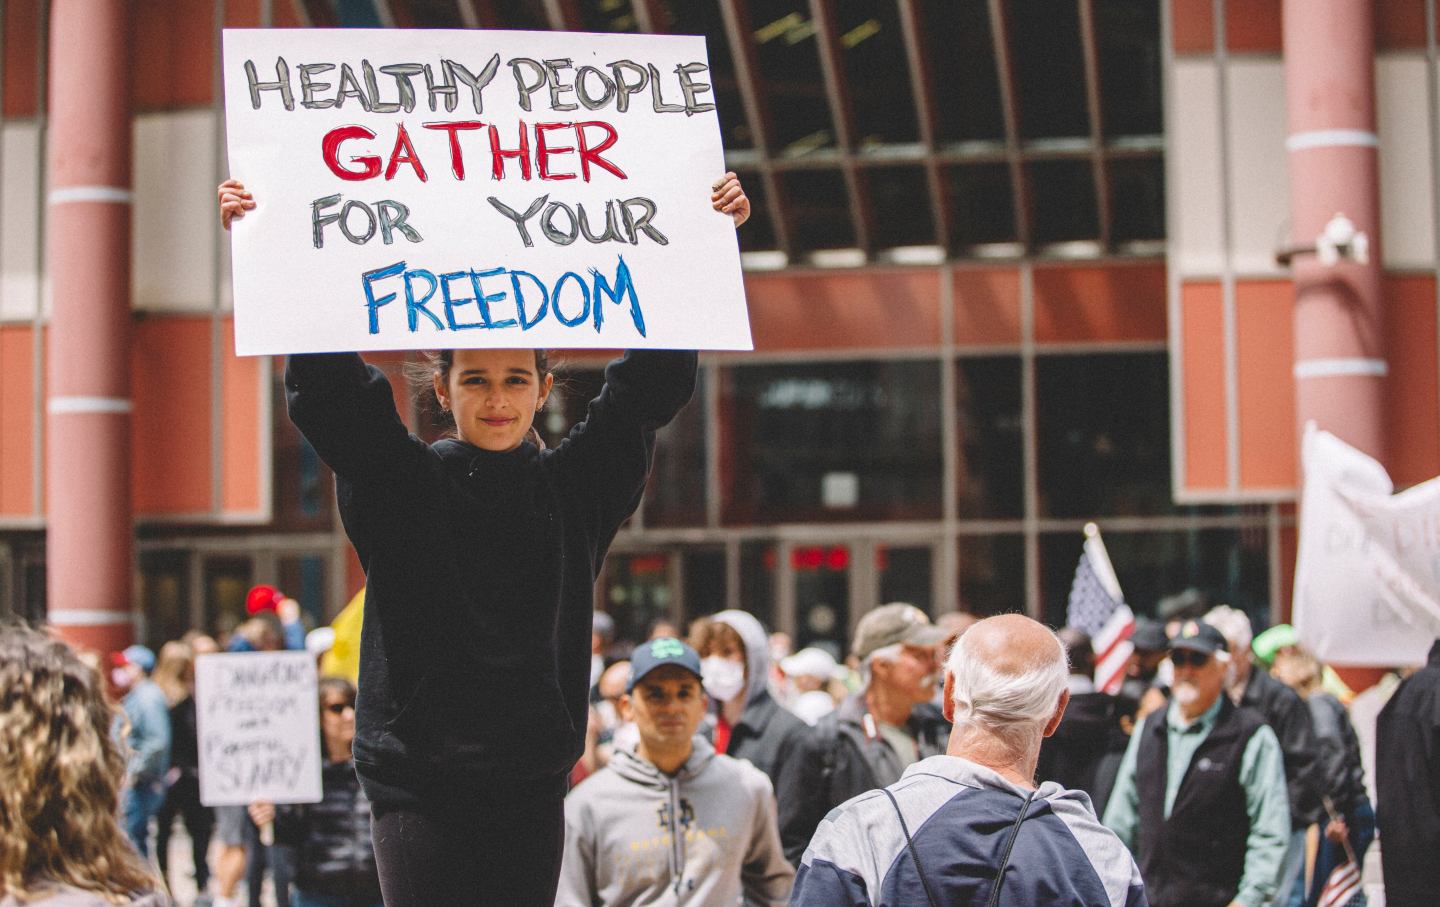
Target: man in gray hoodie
[{"x": 672, "y": 822}]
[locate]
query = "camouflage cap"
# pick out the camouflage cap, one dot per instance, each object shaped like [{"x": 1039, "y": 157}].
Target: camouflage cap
[{"x": 895, "y": 623}]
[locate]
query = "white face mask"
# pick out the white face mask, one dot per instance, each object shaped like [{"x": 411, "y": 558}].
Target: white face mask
[{"x": 724, "y": 679}]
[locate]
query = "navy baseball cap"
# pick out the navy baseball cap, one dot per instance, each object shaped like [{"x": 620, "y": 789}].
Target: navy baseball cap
[
  {"x": 660, "y": 652},
  {"x": 1198, "y": 636}
]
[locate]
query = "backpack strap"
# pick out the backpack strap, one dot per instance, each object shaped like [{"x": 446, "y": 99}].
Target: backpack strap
[
  {"x": 1009, "y": 846},
  {"x": 910, "y": 845}
]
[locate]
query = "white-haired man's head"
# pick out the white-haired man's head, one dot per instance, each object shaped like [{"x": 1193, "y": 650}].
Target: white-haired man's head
[
  {"x": 1005, "y": 684},
  {"x": 1234, "y": 625}
]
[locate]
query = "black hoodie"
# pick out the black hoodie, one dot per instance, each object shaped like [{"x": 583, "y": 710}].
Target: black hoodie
[{"x": 480, "y": 571}]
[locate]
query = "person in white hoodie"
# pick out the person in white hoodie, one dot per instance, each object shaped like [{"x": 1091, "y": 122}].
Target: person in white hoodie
[{"x": 671, "y": 822}]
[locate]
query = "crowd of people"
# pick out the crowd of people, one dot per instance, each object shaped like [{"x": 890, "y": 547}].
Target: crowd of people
[
  {"x": 939, "y": 763},
  {"x": 475, "y": 755}
]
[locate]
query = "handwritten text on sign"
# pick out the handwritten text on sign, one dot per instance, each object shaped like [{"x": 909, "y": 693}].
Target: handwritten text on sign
[
  {"x": 420, "y": 189},
  {"x": 259, "y": 730}
]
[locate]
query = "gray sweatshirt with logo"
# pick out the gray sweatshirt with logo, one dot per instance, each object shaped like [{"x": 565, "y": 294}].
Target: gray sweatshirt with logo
[{"x": 706, "y": 836}]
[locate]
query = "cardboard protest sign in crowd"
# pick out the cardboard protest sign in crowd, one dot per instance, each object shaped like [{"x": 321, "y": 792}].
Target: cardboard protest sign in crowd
[
  {"x": 1367, "y": 576},
  {"x": 259, "y": 728},
  {"x": 424, "y": 189}
]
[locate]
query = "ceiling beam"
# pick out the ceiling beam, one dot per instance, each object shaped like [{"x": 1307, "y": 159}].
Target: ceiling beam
[
  {"x": 917, "y": 56},
  {"x": 837, "y": 92},
  {"x": 739, "y": 33}
]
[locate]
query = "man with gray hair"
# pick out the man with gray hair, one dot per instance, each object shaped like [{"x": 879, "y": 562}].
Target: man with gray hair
[
  {"x": 871, "y": 737},
  {"x": 1289, "y": 717},
  {"x": 970, "y": 826}
]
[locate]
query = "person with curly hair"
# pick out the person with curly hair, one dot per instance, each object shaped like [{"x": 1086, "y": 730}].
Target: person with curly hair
[{"x": 61, "y": 844}]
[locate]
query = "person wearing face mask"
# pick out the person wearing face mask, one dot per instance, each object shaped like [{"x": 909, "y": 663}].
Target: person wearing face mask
[
  {"x": 1200, "y": 795},
  {"x": 871, "y": 737},
  {"x": 749, "y": 723}
]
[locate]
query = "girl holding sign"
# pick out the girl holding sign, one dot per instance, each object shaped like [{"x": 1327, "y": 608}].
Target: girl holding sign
[{"x": 481, "y": 554}]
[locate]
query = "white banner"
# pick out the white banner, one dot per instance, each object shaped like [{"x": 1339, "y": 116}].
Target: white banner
[
  {"x": 424, "y": 189},
  {"x": 1367, "y": 577},
  {"x": 258, "y": 718}
]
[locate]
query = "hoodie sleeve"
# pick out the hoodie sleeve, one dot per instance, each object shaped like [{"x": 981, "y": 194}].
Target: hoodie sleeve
[
  {"x": 578, "y": 887},
  {"x": 346, "y": 410},
  {"x": 766, "y": 876}
]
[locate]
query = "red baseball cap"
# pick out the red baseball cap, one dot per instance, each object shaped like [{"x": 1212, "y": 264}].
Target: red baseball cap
[{"x": 262, "y": 598}]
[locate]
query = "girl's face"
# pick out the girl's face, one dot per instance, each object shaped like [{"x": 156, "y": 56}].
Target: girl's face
[
  {"x": 494, "y": 396},
  {"x": 337, "y": 721}
]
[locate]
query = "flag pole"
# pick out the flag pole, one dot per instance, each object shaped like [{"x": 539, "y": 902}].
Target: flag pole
[{"x": 1100, "y": 560}]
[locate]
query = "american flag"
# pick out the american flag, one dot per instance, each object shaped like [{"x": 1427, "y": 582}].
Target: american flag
[
  {"x": 1097, "y": 608},
  {"x": 1343, "y": 887}
]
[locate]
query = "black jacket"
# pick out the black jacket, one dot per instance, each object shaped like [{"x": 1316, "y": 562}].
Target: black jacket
[
  {"x": 333, "y": 852},
  {"x": 1407, "y": 780},
  {"x": 1288, "y": 717},
  {"x": 840, "y": 759},
  {"x": 1195, "y": 857},
  {"x": 480, "y": 570},
  {"x": 767, "y": 735},
  {"x": 1341, "y": 771},
  {"x": 1085, "y": 751}
]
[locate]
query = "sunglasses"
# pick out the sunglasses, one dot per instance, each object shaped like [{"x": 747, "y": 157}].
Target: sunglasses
[
  {"x": 338, "y": 708},
  {"x": 1187, "y": 658}
]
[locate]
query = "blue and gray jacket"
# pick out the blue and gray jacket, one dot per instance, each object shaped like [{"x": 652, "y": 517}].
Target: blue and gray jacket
[{"x": 960, "y": 816}]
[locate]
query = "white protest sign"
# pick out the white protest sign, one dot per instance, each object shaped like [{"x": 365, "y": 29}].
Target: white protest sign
[
  {"x": 443, "y": 189},
  {"x": 259, "y": 728},
  {"x": 1367, "y": 577}
]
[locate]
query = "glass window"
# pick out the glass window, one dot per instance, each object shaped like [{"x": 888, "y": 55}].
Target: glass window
[
  {"x": 1049, "y": 68},
  {"x": 758, "y": 234},
  {"x": 982, "y": 198},
  {"x": 789, "y": 74},
  {"x": 906, "y": 575},
  {"x": 575, "y": 387},
  {"x": 900, "y": 200},
  {"x": 226, "y": 582},
  {"x": 427, "y": 14},
  {"x": 992, "y": 574},
  {"x": 819, "y": 209},
  {"x": 522, "y": 14},
  {"x": 676, "y": 494},
  {"x": 872, "y": 51},
  {"x": 637, "y": 591},
  {"x": 303, "y": 579},
  {"x": 607, "y": 15},
  {"x": 303, "y": 485},
  {"x": 831, "y": 441},
  {"x": 1137, "y": 198},
  {"x": 165, "y": 595},
  {"x": 757, "y": 580},
  {"x": 1062, "y": 201},
  {"x": 991, "y": 435},
  {"x": 1232, "y": 565},
  {"x": 961, "y": 52},
  {"x": 704, "y": 582},
  {"x": 1103, "y": 435},
  {"x": 1127, "y": 33},
  {"x": 689, "y": 17},
  {"x": 822, "y": 597}
]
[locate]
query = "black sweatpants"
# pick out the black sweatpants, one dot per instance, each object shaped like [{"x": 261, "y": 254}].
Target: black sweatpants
[{"x": 504, "y": 851}]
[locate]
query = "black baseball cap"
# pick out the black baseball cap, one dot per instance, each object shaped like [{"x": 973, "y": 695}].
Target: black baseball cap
[
  {"x": 1198, "y": 636},
  {"x": 1149, "y": 636},
  {"x": 659, "y": 652}
]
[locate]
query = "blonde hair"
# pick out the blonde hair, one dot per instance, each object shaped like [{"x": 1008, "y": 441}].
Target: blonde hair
[
  {"x": 174, "y": 671},
  {"x": 62, "y": 771}
]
